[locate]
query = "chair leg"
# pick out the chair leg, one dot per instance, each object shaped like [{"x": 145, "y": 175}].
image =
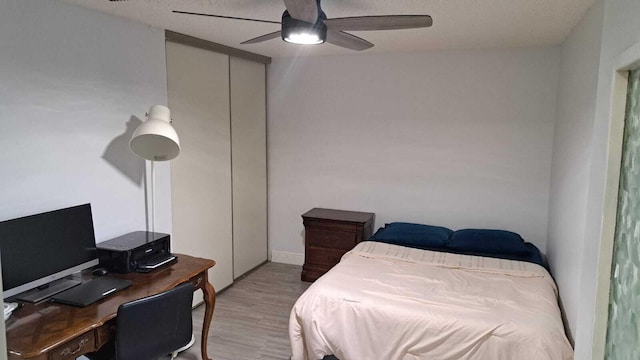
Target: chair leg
[{"x": 190, "y": 344}]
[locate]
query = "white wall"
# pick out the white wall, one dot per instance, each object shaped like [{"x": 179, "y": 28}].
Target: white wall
[
  {"x": 70, "y": 81},
  {"x": 580, "y": 57},
  {"x": 452, "y": 138}
]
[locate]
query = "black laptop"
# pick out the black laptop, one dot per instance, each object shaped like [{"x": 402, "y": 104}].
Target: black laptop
[{"x": 91, "y": 291}]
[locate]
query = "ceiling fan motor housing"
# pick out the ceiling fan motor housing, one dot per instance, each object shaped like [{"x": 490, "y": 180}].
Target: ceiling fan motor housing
[{"x": 292, "y": 26}]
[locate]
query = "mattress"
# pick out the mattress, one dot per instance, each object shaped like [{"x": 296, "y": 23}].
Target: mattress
[{"x": 388, "y": 302}]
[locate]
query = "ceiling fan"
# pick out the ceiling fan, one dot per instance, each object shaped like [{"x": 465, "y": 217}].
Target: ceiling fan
[{"x": 304, "y": 22}]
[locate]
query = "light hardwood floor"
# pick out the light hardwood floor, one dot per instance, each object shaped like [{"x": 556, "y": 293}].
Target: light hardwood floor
[{"x": 251, "y": 318}]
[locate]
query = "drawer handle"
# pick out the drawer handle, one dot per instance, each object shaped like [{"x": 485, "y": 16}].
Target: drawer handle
[{"x": 68, "y": 351}]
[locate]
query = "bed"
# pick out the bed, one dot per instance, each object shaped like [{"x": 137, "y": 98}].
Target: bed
[{"x": 394, "y": 302}]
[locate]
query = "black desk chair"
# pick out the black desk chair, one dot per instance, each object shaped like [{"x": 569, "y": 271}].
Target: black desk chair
[{"x": 151, "y": 327}]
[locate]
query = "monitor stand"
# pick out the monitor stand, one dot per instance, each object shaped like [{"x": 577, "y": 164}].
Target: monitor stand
[{"x": 54, "y": 287}]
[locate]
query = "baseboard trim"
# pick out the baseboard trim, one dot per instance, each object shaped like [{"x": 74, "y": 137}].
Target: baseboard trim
[{"x": 287, "y": 258}]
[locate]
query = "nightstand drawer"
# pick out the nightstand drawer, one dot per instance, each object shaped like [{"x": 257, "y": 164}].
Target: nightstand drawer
[
  {"x": 335, "y": 239},
  {"x": 323, "y": 256},
  {"x": 335, "y": 225}
]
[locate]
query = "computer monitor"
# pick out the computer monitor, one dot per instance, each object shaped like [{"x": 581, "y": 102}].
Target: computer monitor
[{"x": 39, "y": 249}]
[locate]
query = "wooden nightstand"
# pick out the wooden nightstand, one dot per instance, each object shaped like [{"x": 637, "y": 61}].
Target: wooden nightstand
[{"x": 329, "y": 234}]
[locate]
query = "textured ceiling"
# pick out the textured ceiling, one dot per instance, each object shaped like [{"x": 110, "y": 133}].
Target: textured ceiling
[{"x": 457, "y": 24}]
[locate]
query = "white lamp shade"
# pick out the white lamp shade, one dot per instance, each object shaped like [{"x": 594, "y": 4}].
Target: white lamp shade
[{"x": 156, "y": 139}]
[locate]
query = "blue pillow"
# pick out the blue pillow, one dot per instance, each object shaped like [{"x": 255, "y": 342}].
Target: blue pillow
[
  {"x": 487, "y": 241},
  {"x": 413, "y": 235}
]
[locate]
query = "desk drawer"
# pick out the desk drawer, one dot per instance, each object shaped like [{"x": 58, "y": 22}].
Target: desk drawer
[
  {"x": 198, "y": 281},
  {"x": 105, "y": 333},
  {"x": 74, "y": 348}
]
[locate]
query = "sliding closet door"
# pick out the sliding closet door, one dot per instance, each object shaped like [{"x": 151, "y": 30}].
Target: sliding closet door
[
  {"x": 198, "y": 90},
  {"x": 249, "y": 164}
]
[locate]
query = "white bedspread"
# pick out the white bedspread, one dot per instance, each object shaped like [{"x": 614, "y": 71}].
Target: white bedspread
[{"x": 389, "y": 302}]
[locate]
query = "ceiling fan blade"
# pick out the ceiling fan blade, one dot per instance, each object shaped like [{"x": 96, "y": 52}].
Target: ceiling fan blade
[
  {"x": 347, "y": 40},
  {"x": 265, "y": 37},
  {"x": 225, "y": 17},
  {"x": 383, "y": 22},
  {"x": 304, "y": 10}
]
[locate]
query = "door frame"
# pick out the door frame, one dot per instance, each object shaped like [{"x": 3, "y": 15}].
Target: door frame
[{"x": 623, "y": 63}]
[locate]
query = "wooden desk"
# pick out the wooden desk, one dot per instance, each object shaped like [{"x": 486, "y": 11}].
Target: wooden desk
[{"x": 59, "y": 332}]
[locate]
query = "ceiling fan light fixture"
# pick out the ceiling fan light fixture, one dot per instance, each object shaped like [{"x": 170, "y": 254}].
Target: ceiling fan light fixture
[
  {"x": 299, "y": 32},
  {"x": 304, "y": 38}
]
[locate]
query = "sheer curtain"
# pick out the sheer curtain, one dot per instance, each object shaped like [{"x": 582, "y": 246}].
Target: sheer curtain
[{"x": 623, "y": 332}]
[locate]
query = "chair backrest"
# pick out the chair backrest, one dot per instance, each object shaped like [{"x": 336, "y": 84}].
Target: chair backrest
[{"x": 154, "y": 326}]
